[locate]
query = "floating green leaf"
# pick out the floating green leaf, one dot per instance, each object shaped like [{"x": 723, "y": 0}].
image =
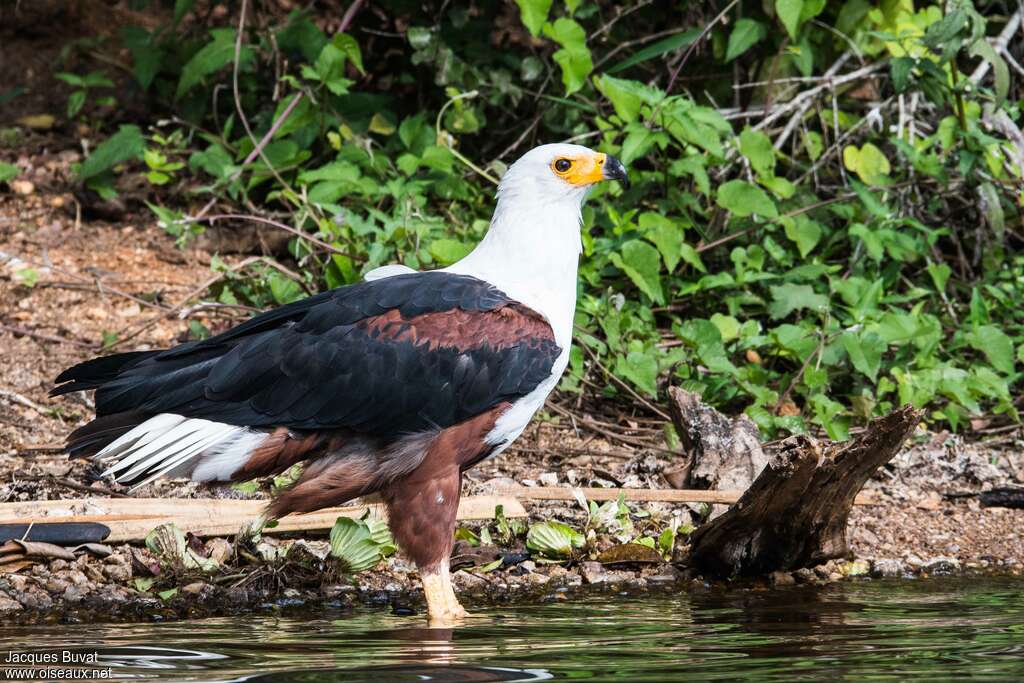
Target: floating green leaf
[
  {"x": 554, "y": 540},
  {"x": 352, "y": 543}
]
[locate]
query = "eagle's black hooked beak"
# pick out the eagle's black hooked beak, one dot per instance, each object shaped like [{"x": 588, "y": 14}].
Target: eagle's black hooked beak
[{"x": 614, "y": 170}]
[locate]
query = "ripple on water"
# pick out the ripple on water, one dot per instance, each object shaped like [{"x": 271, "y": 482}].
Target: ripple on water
[{"x": 851, "y": 631}]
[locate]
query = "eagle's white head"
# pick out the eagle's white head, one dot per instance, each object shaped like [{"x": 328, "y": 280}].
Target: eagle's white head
[
  {"x": 558, "y": 173},
  {"x": 532, "y": 248}
]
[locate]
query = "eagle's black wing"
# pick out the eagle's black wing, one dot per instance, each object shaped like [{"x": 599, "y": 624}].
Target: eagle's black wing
[{"x": 387, "y": 357}]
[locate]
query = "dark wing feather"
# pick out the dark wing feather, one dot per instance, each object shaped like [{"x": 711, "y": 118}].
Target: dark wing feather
[{"x": 387, "y": 357}]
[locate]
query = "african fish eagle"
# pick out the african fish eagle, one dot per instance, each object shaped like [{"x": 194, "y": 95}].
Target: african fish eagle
[{"x": 393, "y": 386}]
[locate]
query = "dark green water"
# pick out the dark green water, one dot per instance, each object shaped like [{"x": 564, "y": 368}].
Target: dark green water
[{"x": 878, "y": 630}]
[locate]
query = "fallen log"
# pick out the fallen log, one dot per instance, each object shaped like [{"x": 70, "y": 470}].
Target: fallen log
[
  {"x": 131, "y": 519},
  {"x": 795, "y": 513}
]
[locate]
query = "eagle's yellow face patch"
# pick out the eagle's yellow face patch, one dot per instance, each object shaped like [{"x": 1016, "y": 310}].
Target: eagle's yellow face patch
[{"x": 580, "y": 170}]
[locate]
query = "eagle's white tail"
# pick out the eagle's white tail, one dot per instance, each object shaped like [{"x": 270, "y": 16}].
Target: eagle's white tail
[{"x": 179, "y": 446}]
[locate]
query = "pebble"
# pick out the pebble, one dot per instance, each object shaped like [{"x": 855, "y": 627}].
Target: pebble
[
  {"x": 8, "y": 605},
  {"x": 548, "y": 479},
  {"x": 782, "y": 579},
  {"x": 942, "y": 566},
  {"x": 23, "y": 187},
  {"x": 805, "y": 575},
  {"x": 857, "y": 568},
  {"x": 887, "y": 568}
]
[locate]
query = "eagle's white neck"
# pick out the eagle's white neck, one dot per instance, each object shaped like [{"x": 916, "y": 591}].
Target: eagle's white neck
[{"x": 531, "y": 252}]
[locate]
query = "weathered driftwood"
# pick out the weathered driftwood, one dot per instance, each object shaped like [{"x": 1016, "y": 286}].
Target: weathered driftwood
[
  {"x": 639, "y": 495},
  {"x": 722, "y": 453},
  {"x": 131, "y": 519},
  {"x": 795, "y": 513}
]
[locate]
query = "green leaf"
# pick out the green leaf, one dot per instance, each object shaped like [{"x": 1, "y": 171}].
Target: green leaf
[
  {"x": 76, "y": 101},
  {"x": 868, "y": 162},
  {"x": 940, "y": 275},
  {"x": 533, "y": 14},
  {"x": 350, "y": 48},
  {"x": 995, "y": 344},
  {"x": 641, "y": 369},
  {"x": 743, "y": 199},
  {"x": 284, "y": 289},
  {"x": 757, "y": 148},
  {"x": 665, "y": 235},
  {"x": 127, "y": 143},
  {"x": 804, "y": 232},
  {"x": 352, "y": 543},
  {"x": 865, "y": 351},
  {"x": 216, "y": 54},
  {"x": 745, "y": 35},
  {"x": 790, "y": 297},
  {"x": 574, "y": 57},
  {"x": 627, "y": 96},
  {"x": 448, "y": 251},
  {"x": 553, "y": 540},
  {"x": 663, "y": 46},
  {"x": 900, "y": 69},
  {"x": 642, "y": 263},
  {"x": 728, "y": 326},
  {"x": 789, "y": 12},
  {"x": 8, "y": 172}
]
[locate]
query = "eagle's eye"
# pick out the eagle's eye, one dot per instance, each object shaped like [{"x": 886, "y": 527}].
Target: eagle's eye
[{"x": 563, "y": 165}]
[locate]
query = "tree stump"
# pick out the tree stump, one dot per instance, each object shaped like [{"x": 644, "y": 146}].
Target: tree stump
[
  {"x": 723, "y": 452},
  {"x": 795, "y": 513}
]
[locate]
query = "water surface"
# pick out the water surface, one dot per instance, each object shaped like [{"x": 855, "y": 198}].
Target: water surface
[{"x": 938, "y": 629}]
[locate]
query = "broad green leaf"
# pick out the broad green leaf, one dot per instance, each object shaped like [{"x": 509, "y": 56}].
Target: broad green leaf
[
  {"x": 553, "y": 540},
  {"x": 574, "y": 57},
  {"x": 350, "y": 48},
  {"x": 865, "y": 351},
  {"x": 448, "y": 251},
  {"x": 728, "y": 326},
  {"x": 641, "y": 369},
  {"x": 642, "y": 263},
  {"x": 803, "y": 232},
  {"x": 780, "y": 187},
  {"x": 284, "y": 289},
  {"x": 868, "y": 162},
  {"x": 743, "y": 199},
  {"x": 626, "y": 96},
  {"x": 995, "y": 344},
  {"x": 745, "y": 34},
  {"x": 940, "y": 275},
  {"x": 215, "y": 55},
  {"x": 127, "y": 143},
  {"x": 639, "y": 140},
  {"x": 789, "y": 12},
  {"x": 665, "y": 234},
  {"x": 790, "y": 297},
  {"x": 352, "y": 543},
  {"x": 757, "y": 148},
  {"x": 533, "y": 14},
  {"x": 8, "y": 172}
]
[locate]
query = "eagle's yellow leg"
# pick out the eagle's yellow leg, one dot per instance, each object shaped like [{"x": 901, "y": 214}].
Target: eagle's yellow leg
[{"x": 443, "y": 608}]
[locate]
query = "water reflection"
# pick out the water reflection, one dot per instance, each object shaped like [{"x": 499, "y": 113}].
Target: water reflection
[{"x": 883, "y": 630}]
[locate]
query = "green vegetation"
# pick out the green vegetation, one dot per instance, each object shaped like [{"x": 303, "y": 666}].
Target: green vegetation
[{"x": 825, "y": 206}]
